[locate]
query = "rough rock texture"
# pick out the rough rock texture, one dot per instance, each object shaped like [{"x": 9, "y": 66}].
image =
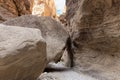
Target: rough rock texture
[
  {"x": 22, "y": 53},
  {"x": 44, "y": 8},
  {"x": 62, "y": 19},
  {"x": 95, "y": 27},
  {"x": 7, "y": 10},
  {"x": 64, "y": 75},
  {"x": 51, "y": 30},
  {"x": 13, "y": 8},
  {"x": 24, "y": 6}
]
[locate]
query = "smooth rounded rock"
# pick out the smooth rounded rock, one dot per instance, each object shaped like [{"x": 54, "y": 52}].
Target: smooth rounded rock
[{"x": 22, "y": 53}]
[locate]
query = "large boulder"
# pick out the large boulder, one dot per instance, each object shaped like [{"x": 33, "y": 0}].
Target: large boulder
[
  {"x": 95, "y": 27},
  {"x": 52, "y": 31},
  {"x": 22, "y": 53}
]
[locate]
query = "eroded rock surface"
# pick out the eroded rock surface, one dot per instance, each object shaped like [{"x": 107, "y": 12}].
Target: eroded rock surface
[
  {"x": 13, "y": 8},
  {"x": 22, "y": 53},
  {"x": 7, "y": 10},
  {"x": 52, "y": 31},
  {"x": 44, "y": 8},
  {"x": 95, "y": 27}
]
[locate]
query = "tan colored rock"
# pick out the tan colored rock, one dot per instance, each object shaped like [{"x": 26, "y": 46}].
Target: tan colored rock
[
  {"x": 22, "y": 53},
  {"x": 24, "y": 6},
  {"x": 12, "y": 8},
  {"x": 52, "y": 31},
  {"x": 95, "y": 25},
  {"x": 44, "y": 8},
  {"x": 62, "y": 19},
  {"x": 9, "y": 5},
  {"x": 5, "y": 15},
  {"x": 7, "y": 10}
]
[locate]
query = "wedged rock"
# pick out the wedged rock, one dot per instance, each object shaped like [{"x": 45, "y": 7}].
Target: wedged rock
[
  {"x": 95, "y": 25},
  {"x": 52, "y": 31},
  {"x": 22, "y": 53}
]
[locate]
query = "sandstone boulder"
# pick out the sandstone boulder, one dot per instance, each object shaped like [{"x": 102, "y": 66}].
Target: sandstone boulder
[
  {"x": 52, "y": 31},
  {"x": 95, "y": 25},
  {"x": 22, "y": 53}
]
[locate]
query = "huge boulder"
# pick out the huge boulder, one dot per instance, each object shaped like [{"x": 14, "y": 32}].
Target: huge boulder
[
  {"x": 52, "y": 31},
  {"x": 95, "y": 27},
  {"x": 22, "y": 53}
]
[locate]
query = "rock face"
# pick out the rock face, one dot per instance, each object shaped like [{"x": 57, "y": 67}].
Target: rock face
[
  {"x": 23, "y": 7},
  {"x": 95, "y": 27},
  {"x": 44, "y": 8},
  {"x": 13, "y": 8},
  {"x": 7, "y": 10},
  {"x": 22, "y": 53},
  {"x": 51, "y": 30}
]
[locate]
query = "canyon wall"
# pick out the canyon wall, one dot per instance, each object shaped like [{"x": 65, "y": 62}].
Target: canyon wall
[
  {"x": 95, "y": 29},
  {"x": 13, "y": 8},
  {"x": 44, "y": 8}
]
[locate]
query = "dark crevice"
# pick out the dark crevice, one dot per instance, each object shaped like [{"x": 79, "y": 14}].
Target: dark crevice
[{"x": 17, "y": 8}]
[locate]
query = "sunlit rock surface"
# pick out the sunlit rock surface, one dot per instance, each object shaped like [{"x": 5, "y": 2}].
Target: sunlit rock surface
[
  {"x": 52, "y": 31},
  {"x": 22, "y": 53},
  {"x": 14, "y": 8},
  {"x": 44, "y": 8}
]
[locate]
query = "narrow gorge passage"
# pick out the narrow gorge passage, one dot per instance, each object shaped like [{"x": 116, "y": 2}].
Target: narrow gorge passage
[{"x": 74, "y": 39}]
